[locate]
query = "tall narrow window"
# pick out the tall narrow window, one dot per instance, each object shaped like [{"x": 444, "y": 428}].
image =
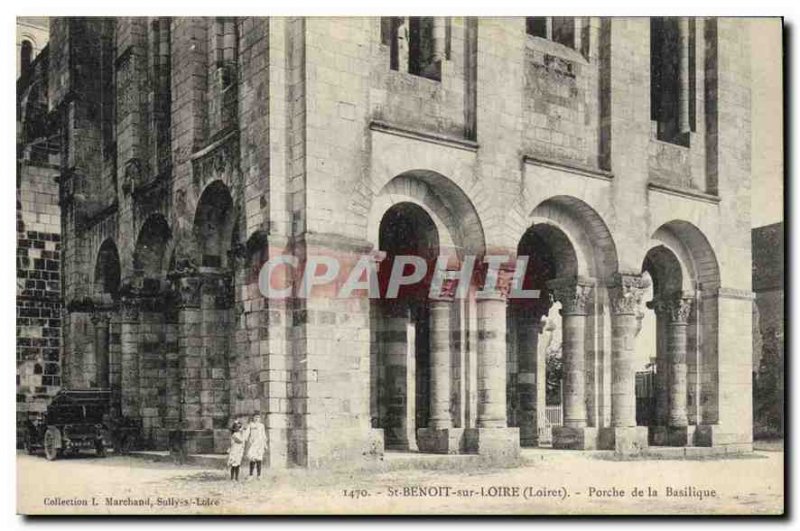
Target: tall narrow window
[
  {"x": 225, "y": 56},
  {"x": 564, "y": 31},
  {"x": 557, "y": 29},
  {"x": 536, "y": 26},
  {"x": 108, "y": 95},
  {"x": 162, "y": 92},
  {"x": 670, "y": 79},
  {"x": 390, "y": 32},
  {"x": 26, "y": 56},
  {"x": 421, "y": 47},
  {"x": 225, "y": 50},
  {"x": 417, "y": 45}
]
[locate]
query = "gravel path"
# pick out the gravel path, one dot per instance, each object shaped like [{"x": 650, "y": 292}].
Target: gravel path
[{"x": 550, "y": 482}]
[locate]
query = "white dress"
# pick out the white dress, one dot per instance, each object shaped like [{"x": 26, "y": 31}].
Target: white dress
[
  {"x": 256, "y": 442},
  {"x": 236, "y": 451}
]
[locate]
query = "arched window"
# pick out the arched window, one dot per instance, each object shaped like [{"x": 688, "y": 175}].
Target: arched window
[{"x": 26, "y": 55}]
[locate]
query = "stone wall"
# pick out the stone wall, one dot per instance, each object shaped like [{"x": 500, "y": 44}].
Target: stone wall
[
  {"x": 304, "y": 150},
  {"x": 38, "y": 287}
]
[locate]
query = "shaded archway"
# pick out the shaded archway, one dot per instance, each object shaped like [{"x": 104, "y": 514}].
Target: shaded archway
[
  {"x": 686, "y": 278},
  {"x": 424, "y": 214},
  {"x": 107, "y": 272},
  {"x": 401, "y": 391},
  {"x": 657, "y": 330},
  {"x": 213, "y": 226},
  {"x": 570, "y": 253},
  {"x": 590, "y": 238},
  {"x": 213, "y": 231},
  {"x": 159, "y": 390},
  {"x": 107, "y": 280},
  {"x": 456, "y": 220},
  {"x": 150, "y": 254}
]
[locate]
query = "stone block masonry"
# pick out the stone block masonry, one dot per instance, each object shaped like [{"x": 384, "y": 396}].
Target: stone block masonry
[{"x": 436, "y": 137}]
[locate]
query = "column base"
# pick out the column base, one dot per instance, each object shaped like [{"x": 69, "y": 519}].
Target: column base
[
  {"x": 672, "y": 435},
  {"x": 657, "y": 435},
  {"x": 528, "y": 440},
  {"x": 441, "y": 440},
  {"x": 572, "y": 438},
  {"x": 400, "y": 439},
  {"x": 528, "y": 429},
  {"x": 623, "y": 440},
  {"x": 716, "y": 435},
  {"x": 497, "y": 443}
]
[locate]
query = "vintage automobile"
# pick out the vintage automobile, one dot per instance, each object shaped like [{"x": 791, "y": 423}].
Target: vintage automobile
[{"x": 80, "y": 419}]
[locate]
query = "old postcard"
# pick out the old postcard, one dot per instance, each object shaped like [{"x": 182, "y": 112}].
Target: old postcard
[{"x": 399, "y": 265}]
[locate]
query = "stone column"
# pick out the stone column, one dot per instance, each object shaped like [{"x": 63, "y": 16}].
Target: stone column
[
  {"x": 575, "y": 298},
  {"x": 397, "y": 338},
  {"x": 684, "y": 121},
  {"x": 662, "y": 366},
  {"x": 440, "y": 436},
  {"x": 191, "y": 438},
  {"x": 624, "y": 436},
  {"x": 678, "y": 309},
  {"x": 529, "y": 326},
  {"x": 658, "y": 430},
  {"x": 673, "y": 428},
  {"x": 440, "y": 417},
  {"x": 129, "y": 355},
  {"x": 491, "y": 362},
  {"x": 100, "y": 320},
  {"x": 492, "y": 435}
]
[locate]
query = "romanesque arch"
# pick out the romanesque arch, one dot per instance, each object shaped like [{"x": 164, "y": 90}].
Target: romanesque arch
[
  {"x": 213, "y": 226},
  {"x": 106, "y": 285},
  {"x": 107, "y": 272},
  {"x": 588, "y": 234},
  {"x": 685, "y": 275},
  {"x": 457, "y": 222},
  {"x": 413, "y": 393},
  {"x": 213, "y": 301},
  {"x": 571, "y": 257},
  {"x": 150, "y": 256},
  {"x": 697, "y": 257}
]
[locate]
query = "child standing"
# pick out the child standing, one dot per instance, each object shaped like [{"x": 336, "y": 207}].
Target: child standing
[
  {"x": 256, "y": 444},
  {"x": 236, "y": 451}
]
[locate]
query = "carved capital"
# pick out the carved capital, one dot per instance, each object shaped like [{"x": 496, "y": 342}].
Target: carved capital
[
  {"x": 575, "y": 295},
  {"x": 129, "y": 308},
  {"x": 676, "y": 308},
  {"x": 625, "y": 293},
  {"x": 186, "y": 290}
]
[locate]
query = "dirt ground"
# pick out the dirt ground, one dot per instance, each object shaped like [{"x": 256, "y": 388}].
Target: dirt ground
[{"x": 560, "y": 482}]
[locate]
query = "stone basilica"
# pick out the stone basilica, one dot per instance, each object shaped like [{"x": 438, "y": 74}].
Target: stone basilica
[{"x": 184, "y": 153}]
